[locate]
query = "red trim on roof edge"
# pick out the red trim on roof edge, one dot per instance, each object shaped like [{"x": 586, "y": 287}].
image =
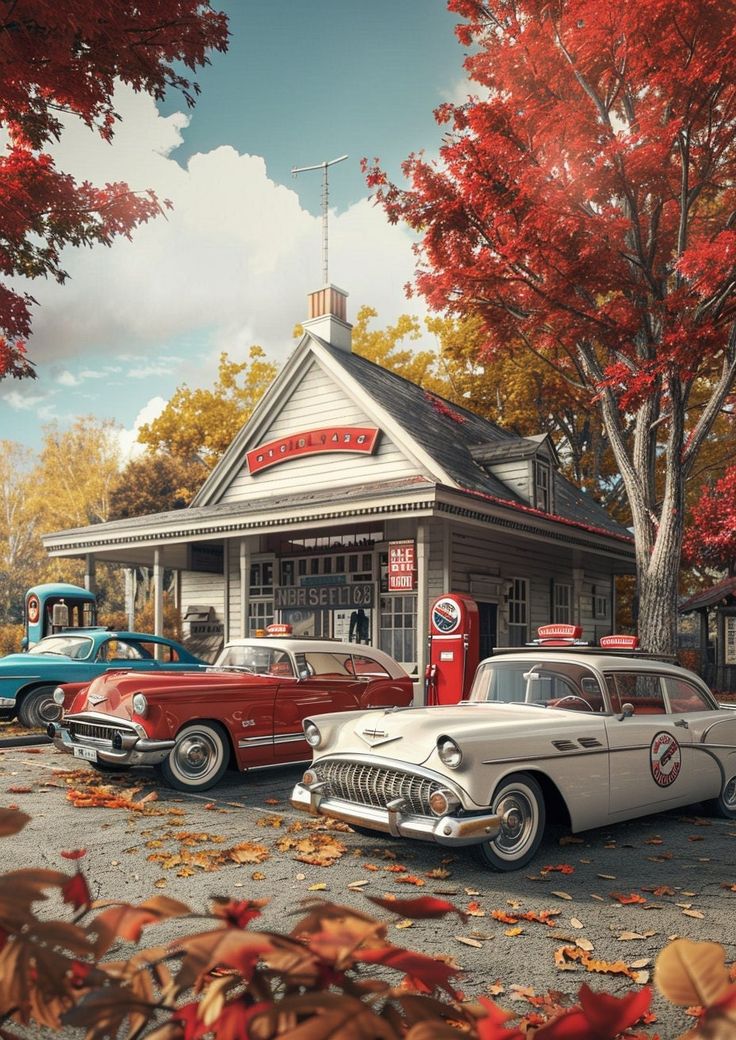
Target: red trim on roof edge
[{"x": 547, "y": 516}]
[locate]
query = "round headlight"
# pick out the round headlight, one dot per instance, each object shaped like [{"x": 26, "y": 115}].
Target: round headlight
[
  {"x": 58, "y": 695},
  {"x": 140, "y": 704},
  {"x": 450, "y": 754},
  {"x": 312, "y": 734}
]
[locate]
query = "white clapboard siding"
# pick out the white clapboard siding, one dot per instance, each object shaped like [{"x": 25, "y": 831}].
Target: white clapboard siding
[
  {"x": 203, "y": 589},
  {"x": 474, "y": 554},
  {"x": 235, "y": 626},
  {"x": 318, "y": 401},
  {"x": 515, "y": 475}
]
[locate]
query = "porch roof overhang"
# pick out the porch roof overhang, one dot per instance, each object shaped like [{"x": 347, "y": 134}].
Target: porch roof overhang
[{"x": 133, "y": 541}]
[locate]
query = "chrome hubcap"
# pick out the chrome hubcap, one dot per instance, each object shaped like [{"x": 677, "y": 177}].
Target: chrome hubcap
[
  {"x": 518, "y": 823},
  {"x": 195, "y": 755},
  {"x": 729, "y": 793},
  {"x": 49, "y": 711}
]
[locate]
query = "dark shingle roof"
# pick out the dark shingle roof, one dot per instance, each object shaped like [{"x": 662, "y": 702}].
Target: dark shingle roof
[{"x": 448, "y": 432}]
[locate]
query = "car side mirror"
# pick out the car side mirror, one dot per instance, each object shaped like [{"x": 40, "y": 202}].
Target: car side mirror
[
  {"x": 24, "y": 643},
  {"x": 627, "y": 710}
]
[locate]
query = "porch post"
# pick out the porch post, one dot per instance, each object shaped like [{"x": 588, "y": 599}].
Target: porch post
[
  {"x": 422, "y": 607},
  {"x": 226, "y": 590},
  {"x": 158, "y": 592},
  {"x": 244, "y": 586},
  {"x": 89, "y": 573},
  {"x": 130, "y": 597}
]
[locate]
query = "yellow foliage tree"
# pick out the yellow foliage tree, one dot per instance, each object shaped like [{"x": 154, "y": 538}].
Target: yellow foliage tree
[{"x": 202, "y": 423}]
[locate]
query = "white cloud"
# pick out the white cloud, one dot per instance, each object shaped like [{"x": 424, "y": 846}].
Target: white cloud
[
  {"x": 39, "y": 404},
  {"x": 128, "y": 439},
  {"x": 67, "y": 378},
  {"x": 231, "y": 264}
]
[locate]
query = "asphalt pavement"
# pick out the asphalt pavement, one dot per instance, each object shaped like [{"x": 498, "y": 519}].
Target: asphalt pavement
[{"x": 676, "y": 867}]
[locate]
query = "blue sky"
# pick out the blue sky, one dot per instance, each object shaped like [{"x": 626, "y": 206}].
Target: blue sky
[{"x": 303, "y": 81}]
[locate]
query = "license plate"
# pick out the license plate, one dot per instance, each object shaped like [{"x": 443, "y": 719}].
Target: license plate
[{"x": 85, "y": 752}]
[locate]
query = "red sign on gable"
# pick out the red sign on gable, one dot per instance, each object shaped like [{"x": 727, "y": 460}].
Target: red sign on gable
[
  {"x": 401, "y": 566},
  {"x": 330, "y": 438}
]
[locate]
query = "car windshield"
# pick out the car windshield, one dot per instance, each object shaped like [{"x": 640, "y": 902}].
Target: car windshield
[
  {"x": 571, "y": 687},
  {"x": 263, "y": 660},
  {"x": 76, "y": 647}
]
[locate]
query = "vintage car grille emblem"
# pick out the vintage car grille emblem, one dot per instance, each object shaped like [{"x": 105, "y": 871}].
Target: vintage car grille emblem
[
  {"x": 97, "y": 698},
  {"x": 376, "y": 786}
]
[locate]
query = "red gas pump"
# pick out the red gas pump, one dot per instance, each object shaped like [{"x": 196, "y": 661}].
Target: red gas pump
[{"x": 453, "y": 648}]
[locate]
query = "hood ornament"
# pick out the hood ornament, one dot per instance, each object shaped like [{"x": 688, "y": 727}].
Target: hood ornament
[
  {"x": 97, "y": 698},
  {"x": 374, "y": 736}
]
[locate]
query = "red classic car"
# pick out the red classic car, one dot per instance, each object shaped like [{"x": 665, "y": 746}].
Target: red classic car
[{"x": 246, "y": 710}]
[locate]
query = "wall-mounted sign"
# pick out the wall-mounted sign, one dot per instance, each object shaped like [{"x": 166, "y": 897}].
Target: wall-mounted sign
[
  {"x": 729, "y": 638},
  {"x": 360, "y": 439},
  {"x": 402, "y": 565},
  {"x": 328, "y": 597}
]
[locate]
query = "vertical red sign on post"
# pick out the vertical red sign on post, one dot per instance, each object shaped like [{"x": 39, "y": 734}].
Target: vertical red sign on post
[{"x": 401, "y": 566}]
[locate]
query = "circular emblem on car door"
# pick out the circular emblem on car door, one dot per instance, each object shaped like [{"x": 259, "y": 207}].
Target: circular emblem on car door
[
  {"x": 665, "y": 759},
  {"x": 33, "y": 609}
]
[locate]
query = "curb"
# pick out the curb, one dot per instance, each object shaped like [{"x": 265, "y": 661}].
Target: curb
[{"x": 9, "y": 742}]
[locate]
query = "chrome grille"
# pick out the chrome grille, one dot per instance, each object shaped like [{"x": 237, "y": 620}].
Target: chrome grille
[
  {"x": 95, "y": 730},
  {"x": 375, "y": 786}
]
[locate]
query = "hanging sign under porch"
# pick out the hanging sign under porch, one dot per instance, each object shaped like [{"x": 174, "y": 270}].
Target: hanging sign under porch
[
  {"x": 360, "y": 439},
  {"x": 329, "y": 597}
]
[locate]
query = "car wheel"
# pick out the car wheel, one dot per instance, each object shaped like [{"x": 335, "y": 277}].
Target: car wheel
[
  {"x": 38, "y": 708},
  {"x": 725, "y": 804},
  {"x": 520, "y": 804},
  {"x": 198, "y": 759}
]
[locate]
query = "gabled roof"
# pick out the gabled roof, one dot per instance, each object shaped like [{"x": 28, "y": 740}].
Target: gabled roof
[
  {"x": 450, "y": 432},
  {"x": 709, "y": 597}
]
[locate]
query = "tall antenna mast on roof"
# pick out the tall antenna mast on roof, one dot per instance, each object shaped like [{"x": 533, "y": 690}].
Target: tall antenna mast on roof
[{"x": 325, "y": 197}]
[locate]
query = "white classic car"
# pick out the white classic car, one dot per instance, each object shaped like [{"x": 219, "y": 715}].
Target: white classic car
[{"x": 584, "y": 736}]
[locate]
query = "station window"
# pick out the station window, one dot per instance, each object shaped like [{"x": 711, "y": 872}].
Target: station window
[
  {"x": 519, "y": 612},
  {"x": 542, "y": 485},
  {"x": 260, "y": 614},
  {"x": 261, "y": 577},
  {"x": 562, "y": 603},
  {"x": 398, "y": 628}
]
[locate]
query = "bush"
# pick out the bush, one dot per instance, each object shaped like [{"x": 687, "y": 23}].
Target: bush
[
  {"x": 224, "y": 979},
  {"x": 10, "y": 639}
]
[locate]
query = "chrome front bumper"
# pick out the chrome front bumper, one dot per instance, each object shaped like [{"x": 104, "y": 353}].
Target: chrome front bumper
[
  {"x": 445, "y": 830},
  {"x": 135, "y": 750}
]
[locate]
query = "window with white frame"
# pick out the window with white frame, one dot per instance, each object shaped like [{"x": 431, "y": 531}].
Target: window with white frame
[
  {"x": 562, "y": 604},
  {"x": 600, "y": 602},
  {"x": 518, "y": 612},
  {"x": 260, "y": 614},
  {"x": 542, "y": 485},
  {"x": 398, "y": 628}
]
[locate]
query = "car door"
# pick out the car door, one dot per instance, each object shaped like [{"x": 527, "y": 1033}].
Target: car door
[
  {"x": 324, "y": 683},
  {"x": 649, "y": 763}
]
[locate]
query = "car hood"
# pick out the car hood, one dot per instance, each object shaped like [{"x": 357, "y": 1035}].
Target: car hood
[
  {"x": 112, "y": 692},
  {"x": 411, "y": 735}
]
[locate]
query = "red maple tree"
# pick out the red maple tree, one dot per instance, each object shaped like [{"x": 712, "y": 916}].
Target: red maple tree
[
  {"x": 584, "y": 206},
  {"x": 710, "y": 540},
  {"x": 58, "y": 58}
]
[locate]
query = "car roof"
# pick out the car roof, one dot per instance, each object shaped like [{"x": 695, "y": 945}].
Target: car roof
[
  {"x": 296, "y": 644},
  {"x": 591, "y": 656}
]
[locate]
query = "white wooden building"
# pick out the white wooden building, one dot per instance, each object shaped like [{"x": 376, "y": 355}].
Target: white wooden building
[{"x": 351, "y": 488}]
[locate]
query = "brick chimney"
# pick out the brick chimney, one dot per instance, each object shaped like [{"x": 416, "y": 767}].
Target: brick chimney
[{"x": 326, "y": 317}]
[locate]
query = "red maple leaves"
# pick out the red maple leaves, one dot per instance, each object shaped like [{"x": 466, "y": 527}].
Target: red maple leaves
[{"x": 67, "y": 58}]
